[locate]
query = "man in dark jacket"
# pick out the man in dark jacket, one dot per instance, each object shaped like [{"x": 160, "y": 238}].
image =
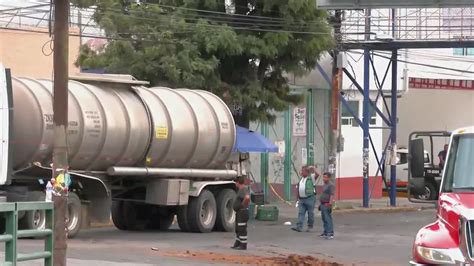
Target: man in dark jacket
[{"x": 241, "y": 205}]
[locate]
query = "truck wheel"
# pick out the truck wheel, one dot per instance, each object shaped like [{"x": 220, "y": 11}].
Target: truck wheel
[
  {"x": 133, "y": 216},
  {"x": 430, "y": 192},
  {"x": 225, "y": 220},
  {"x": 202, "y": 212},
  {"x": 165, "y": 222},
  {"x": 74, "y": 220},
  {"x": 182, "y": 215},
  {"x": 34, "y": 219},
  {"x": 117, "y": 215},
  {"x": 161, "y": 218}
]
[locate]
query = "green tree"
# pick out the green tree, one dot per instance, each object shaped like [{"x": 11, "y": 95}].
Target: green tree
[{"x": 238, "y": 49}]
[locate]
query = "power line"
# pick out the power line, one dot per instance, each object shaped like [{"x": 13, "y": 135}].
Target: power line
[
  {"x": 228, "y": 17},
  {"x": 220, "y": 19},
  {"x": 217, "y": 12},
  {"x": 92, "y": 36},
  {"x": 221, "y": 26}
]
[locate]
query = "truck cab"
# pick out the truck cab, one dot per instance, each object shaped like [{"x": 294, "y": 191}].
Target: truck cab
[{"x": 450, "y": 239}]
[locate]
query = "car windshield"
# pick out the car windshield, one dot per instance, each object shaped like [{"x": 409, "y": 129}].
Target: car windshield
[{"x": 459, "y": 173}]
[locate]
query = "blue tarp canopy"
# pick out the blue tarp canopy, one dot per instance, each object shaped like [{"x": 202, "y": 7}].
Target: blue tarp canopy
[{"x": 251, "y": 141}]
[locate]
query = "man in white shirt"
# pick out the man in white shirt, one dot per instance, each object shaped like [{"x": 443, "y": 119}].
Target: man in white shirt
[{"x": 306, "y": 198}]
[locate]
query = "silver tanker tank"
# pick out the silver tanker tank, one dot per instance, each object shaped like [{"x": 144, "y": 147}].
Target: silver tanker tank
[{"x": 112, "y": 124}]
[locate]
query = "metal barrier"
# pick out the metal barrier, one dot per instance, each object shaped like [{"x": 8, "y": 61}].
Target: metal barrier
[{"x": 11, "y": 235}]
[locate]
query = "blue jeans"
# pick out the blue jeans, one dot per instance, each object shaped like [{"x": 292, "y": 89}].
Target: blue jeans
[
  {"x": 306, "y": 205},
  {"x": 326, "y": 215}
]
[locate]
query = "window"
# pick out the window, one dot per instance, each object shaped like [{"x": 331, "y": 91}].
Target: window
[
  {"x": 427, "y": 158},
  {"x": 459, "y": 167},
  {"x": 402, "y": 158},
  {"x": 346, "y": 116}
]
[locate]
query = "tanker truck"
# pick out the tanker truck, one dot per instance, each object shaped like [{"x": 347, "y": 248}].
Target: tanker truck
[{"x": 138, "y": 155}]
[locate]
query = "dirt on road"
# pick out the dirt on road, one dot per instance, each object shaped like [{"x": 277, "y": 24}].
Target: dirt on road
[{"x": 292, "y": 259}]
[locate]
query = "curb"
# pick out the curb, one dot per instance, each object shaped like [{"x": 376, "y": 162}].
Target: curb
[
  {"x": 101, "y": 225},
  {"x": 387, "y": 209},
  {"x": 377, "y": 210}
]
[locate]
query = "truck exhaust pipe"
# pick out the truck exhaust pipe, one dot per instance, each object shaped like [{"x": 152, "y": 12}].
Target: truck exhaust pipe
[{"x": 171, "y": 172}]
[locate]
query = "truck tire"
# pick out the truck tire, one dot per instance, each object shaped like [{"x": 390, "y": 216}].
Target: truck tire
[
  {"x": 133, "y": 216},
  {"x": 182, "y": 215},
  {"x": 202, "y": 212},
  {"x": 225, "y": 220},
  {"x": 161, "y": 218},
  {"x": 430, "y": 193},
  {"x": 165, "y": 222},
  {"x": 34, "y": 219},
  {"x": 117, "y": 215},
  {"x": 74, "y": 215}
]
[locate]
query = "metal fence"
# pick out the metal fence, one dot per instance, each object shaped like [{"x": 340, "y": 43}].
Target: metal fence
[{"x": 9, "y": 213}]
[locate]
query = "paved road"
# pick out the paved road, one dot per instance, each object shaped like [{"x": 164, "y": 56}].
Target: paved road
[{"x": 361, "y": 238}]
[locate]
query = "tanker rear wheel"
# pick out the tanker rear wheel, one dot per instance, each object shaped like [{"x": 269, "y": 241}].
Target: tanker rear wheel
[
  {"x": 160, "y": 218},
  {"x": 135, "y": 215},
  {"x": 182, "y": 215},
  {"x": 117, "y": 215},
  {"x": 225, "y": 221},
  {"x": 34, "y": 219},
  {"x": 202, "y": 212},
  {"x": 74, "y": 215}
]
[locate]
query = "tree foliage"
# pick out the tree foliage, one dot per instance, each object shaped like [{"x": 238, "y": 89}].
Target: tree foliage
[{"x": 238, "y": 49}]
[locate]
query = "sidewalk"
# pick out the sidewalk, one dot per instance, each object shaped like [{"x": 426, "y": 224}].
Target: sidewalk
[{"x": 347, "y": 206}]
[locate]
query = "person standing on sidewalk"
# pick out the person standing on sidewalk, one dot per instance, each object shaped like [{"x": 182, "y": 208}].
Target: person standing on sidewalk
[
  {"x": 306, "y": 199},
  {"x": 241, "y": 205},
  {"x": 326, "y": 201}
]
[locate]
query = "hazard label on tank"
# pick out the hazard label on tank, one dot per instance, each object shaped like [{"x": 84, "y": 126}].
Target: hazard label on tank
[{"x": 161, "y": 132}]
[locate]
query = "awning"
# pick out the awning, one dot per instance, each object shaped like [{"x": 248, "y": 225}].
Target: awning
[{"x": 251, "y": 141}]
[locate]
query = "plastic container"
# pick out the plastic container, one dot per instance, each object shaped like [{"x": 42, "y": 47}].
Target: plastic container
[
  {"x": 267, "y": 213},
  {"x": 49, "y": 192}
]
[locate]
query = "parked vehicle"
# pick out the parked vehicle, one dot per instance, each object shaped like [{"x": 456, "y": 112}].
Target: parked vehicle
[
  {"x": 432, "y": 180},
  {"x": 139, "y": 155},
  {"x": 450, "y": 239}
]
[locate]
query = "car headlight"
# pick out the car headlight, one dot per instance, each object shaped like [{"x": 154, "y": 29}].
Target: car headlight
[{"x": 435, "y": 255}]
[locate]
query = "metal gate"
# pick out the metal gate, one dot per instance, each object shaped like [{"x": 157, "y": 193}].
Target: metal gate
[{"x": 10, "y": 237}]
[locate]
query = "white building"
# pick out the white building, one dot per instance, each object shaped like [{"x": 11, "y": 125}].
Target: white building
[{"x": 436, "y": 88}]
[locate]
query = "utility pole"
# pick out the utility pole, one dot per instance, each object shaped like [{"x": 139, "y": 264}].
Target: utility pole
[
  {"x": 366, "y": 118},
  {"x": 60, "y": 120},
  {"x": 335, "y": 94}
]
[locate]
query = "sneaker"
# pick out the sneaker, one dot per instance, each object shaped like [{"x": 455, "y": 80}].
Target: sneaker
[
  {"x": 310, "y": 229},
  {"x": 296, "y": 229},
  {"x": 323, "y": 235},
  {"x": 329, "y": 236}
]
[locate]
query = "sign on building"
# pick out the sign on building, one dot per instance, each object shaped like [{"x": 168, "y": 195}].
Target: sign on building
[
  {"x": 281, "y": 148},
  {"x": 299, "y": 121}
]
